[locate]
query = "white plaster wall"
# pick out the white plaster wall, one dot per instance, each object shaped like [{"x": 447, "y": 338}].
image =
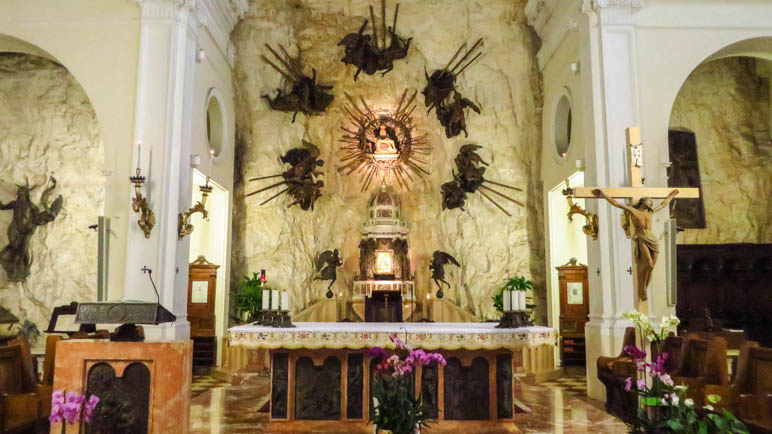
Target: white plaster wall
[
  {"x": 48, "y": 126},
  {"x": 505, "y": 82},
  {"x": 725, "y": 102}
]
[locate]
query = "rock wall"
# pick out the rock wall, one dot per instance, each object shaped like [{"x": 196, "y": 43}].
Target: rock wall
[
  {"x": 726, "y": 104},
  {"x": 505, "y": 82},
  {"x": 47, "y": 126}
]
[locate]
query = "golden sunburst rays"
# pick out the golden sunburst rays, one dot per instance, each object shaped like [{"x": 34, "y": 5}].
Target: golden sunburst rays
[{"x": 378, "y": 143}]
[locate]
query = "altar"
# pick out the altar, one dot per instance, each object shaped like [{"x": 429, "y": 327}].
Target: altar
[{"x": 321, "y": 375}]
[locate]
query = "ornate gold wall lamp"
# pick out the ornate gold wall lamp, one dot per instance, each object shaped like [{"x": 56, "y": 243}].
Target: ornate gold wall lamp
[
  {"x": 139, "y": 203},
  {"x": 591, "y": 228},
  {"x": 185, "y": 228}
]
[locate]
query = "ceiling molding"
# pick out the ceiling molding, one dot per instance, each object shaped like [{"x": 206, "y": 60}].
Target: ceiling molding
[{"x": 553, "y": 20}]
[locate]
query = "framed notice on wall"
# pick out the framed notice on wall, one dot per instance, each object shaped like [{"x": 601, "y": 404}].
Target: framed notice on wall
[{"x": 575, "y": 292}]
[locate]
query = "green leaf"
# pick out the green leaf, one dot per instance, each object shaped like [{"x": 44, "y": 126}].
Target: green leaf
[{"x": 675, "y": 425}]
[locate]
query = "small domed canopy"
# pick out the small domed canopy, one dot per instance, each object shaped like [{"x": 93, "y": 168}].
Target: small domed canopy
[{"x": 384, "y": 214}]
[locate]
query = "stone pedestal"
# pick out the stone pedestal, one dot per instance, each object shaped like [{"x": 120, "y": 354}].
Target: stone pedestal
[{"x": 167, "y": 365}]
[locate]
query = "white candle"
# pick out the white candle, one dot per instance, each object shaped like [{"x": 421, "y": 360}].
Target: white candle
[
  {"x": 285, "y": 300},
  {"x": 507, "y": 300},
  {"x": 211, "y": 157},
  {"x": 521, "y": 295},
  {"x": 274, "y": 299},
  {"x": 266, "y": 299},
  {"x": 139, "y": 152},
  {"x": 515, "y": 300}
]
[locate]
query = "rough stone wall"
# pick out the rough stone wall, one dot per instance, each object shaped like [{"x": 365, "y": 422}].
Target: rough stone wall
[
  {"x": 47, "y": 125},
  {"x": 506, "y": 84},
  {"x": 726, "y": 104}
]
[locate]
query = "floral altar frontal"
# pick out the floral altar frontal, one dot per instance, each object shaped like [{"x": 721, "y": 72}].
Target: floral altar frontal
[{"x": 322, "y": 376}]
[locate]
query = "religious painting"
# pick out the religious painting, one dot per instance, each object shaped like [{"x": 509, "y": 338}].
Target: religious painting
[
  {"x": 199, "y": 291},
  {"x": 575, "y": 292},
  {"x": 685, "y": 172}
]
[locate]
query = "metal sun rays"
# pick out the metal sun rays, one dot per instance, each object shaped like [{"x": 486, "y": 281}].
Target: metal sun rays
[{"x": 382, "y": 142}]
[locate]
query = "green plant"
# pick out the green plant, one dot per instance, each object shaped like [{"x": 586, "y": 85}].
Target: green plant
[
  {"x": 248, "y": 298},
  {"x": 518, "y": 283}
]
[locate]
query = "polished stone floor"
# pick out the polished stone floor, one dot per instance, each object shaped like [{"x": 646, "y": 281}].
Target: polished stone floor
[{"x": 557, "y": 407}]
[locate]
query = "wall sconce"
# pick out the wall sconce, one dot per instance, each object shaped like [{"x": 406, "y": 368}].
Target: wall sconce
[
  {"x": 185, "y": 228},
  {"x": 591, "y": 228},
  {"x": 139, "y": 203}
]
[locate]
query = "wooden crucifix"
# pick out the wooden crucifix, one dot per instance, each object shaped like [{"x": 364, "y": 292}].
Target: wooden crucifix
[{"x": 639, "y": 212}]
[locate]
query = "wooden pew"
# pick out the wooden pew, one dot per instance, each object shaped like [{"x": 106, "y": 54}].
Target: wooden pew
[
  {"x": 613, "y": 373},
  {"x": 703, "y": 369},
  {"x": 752, "y": 389},
  {"x": 20, "y": 399}
]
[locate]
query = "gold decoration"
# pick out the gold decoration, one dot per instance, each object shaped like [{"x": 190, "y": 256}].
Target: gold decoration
[
  {"x": 140, "y": 204},
  {"x": 382, "y": 143},
  {"x": 591, "y": 228},
  {"x": 183, "y": 227}
]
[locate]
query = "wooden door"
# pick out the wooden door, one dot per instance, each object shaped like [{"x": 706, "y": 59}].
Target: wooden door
[
  {"x": 202, "y": 283},
  {"x": 574, "y": 310}
]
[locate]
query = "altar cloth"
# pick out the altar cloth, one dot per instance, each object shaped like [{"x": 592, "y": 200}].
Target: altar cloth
[{"x": 356, "y": 335}]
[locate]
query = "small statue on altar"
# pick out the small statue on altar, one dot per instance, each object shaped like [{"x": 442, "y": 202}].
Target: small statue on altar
[
  {"x": 439, "y": 260},
  {"x": 327, "y": 266},
  {"x": 16, "y": 258},
  {"x": 645, "y": 243},
  {"x": 385, "y": 141}
]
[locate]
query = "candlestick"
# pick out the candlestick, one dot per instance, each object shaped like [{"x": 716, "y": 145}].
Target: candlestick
[
  {"x": 266, "y": 299},
  {"x": 285, "y": 300},
  {"x": 507, "y": 300},
  {"x": 275, "y": 299}
]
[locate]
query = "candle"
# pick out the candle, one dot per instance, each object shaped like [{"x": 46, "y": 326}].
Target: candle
[
  {"x": 139, "y": 152},
  {"x": 266, "y": 299},
  {"x": 262, "y": 276},
  {"x": 211, "y": 157},
  {"x": 515, "y": 300},
  {"x": 274, "y": 299},
  {"x": 521, "y": 303},
  {"x": 285, "y": 300},
  {"x": 507, "y": 300}
]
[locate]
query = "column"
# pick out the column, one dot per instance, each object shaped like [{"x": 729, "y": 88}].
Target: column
[{"x": 162, "y": 123}]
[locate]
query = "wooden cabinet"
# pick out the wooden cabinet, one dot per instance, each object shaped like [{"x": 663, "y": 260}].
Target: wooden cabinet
[
  {"x": 202, "y": 285},
  {"x": 574, "y": 311}
]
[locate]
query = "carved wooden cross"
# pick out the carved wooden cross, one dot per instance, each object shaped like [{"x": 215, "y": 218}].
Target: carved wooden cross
[{"x": 634, "y": 194}]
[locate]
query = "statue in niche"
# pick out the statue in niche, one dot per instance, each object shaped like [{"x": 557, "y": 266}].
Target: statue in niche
[
  {"x": 437, "y": 267},
  {"x": 441, "y": 93},
  {"x": 401, "y": 259},
  {"x": 469, "y": 178},
  {"x": 645, "y": 243},
  {"x": 386, "y": 141},
  {"x": 327, "y": 266},
  {"x": 300, "y": 178},
  {"x": 371, "y": 53},
  {"x": 367, "y": 248},
  {"x": 16, "y": 257},
  {"x": 307, "y": 96}
]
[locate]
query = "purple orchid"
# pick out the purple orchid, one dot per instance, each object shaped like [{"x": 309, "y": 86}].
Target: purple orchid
[
  {"x": 628, "y": 384},
  {"x": 634, "y": 352},
  {"x": 57, "y": 402},
  {"x": 377, "y": 353},
  {"x": 69, "y": 407},
  {"x": 88, "y": 410}
]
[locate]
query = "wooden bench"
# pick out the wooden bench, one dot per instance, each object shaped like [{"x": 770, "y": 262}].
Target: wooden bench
[
  {"x": 23, "y": 401},
  {"x": 703, "y": 369},
  {"x": 753, "y": 387},
  {"x": 613, "y": 373}
]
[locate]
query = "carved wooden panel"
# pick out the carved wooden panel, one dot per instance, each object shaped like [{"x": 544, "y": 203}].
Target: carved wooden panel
[
  {"x": 279, "y": 385},
  {"x": 467, "y": 395},
  {"x": 317, "y": 389},
  {"x": 355, "y": 386},
  {"x": 685, "y": 172},
  {"x": 504, "y": 403},
  {"x": 124, "y": 402},
  {"x": 430, "y": 389}
]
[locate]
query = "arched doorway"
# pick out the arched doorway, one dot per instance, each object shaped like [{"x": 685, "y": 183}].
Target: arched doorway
[{"x": 48, "y": 128}]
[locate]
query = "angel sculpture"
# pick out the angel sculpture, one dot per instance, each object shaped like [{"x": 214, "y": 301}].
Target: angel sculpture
[
  {"x": 469, "y": 178},
  {"x": 300, "y": 178},
  {"x": 441, "y": 93},
  {"x": 16, "y": 258},
  {"x": 306, "y": 96},
  {"x": 327, "y": 265},
  {"x": 371, "y": 53},
  {"x": 439, "y": 260}
]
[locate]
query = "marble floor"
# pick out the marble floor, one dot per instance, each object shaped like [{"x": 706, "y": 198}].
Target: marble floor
[{"x": 559, "y": 406}]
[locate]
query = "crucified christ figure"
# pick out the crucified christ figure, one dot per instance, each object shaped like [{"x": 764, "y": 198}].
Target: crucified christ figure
[{"x": 645, "y": 244}]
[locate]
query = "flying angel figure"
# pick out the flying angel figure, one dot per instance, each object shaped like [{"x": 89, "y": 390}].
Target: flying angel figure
[
  {"x": 327, "y": 266},
  {"x": 439, "y": 260}
]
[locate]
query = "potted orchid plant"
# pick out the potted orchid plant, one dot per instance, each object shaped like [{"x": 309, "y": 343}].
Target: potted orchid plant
[
  {"x": 664, "y": 407},
  {"x": 394, "y": 407},
  {"x": 71, "y": 408}
]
